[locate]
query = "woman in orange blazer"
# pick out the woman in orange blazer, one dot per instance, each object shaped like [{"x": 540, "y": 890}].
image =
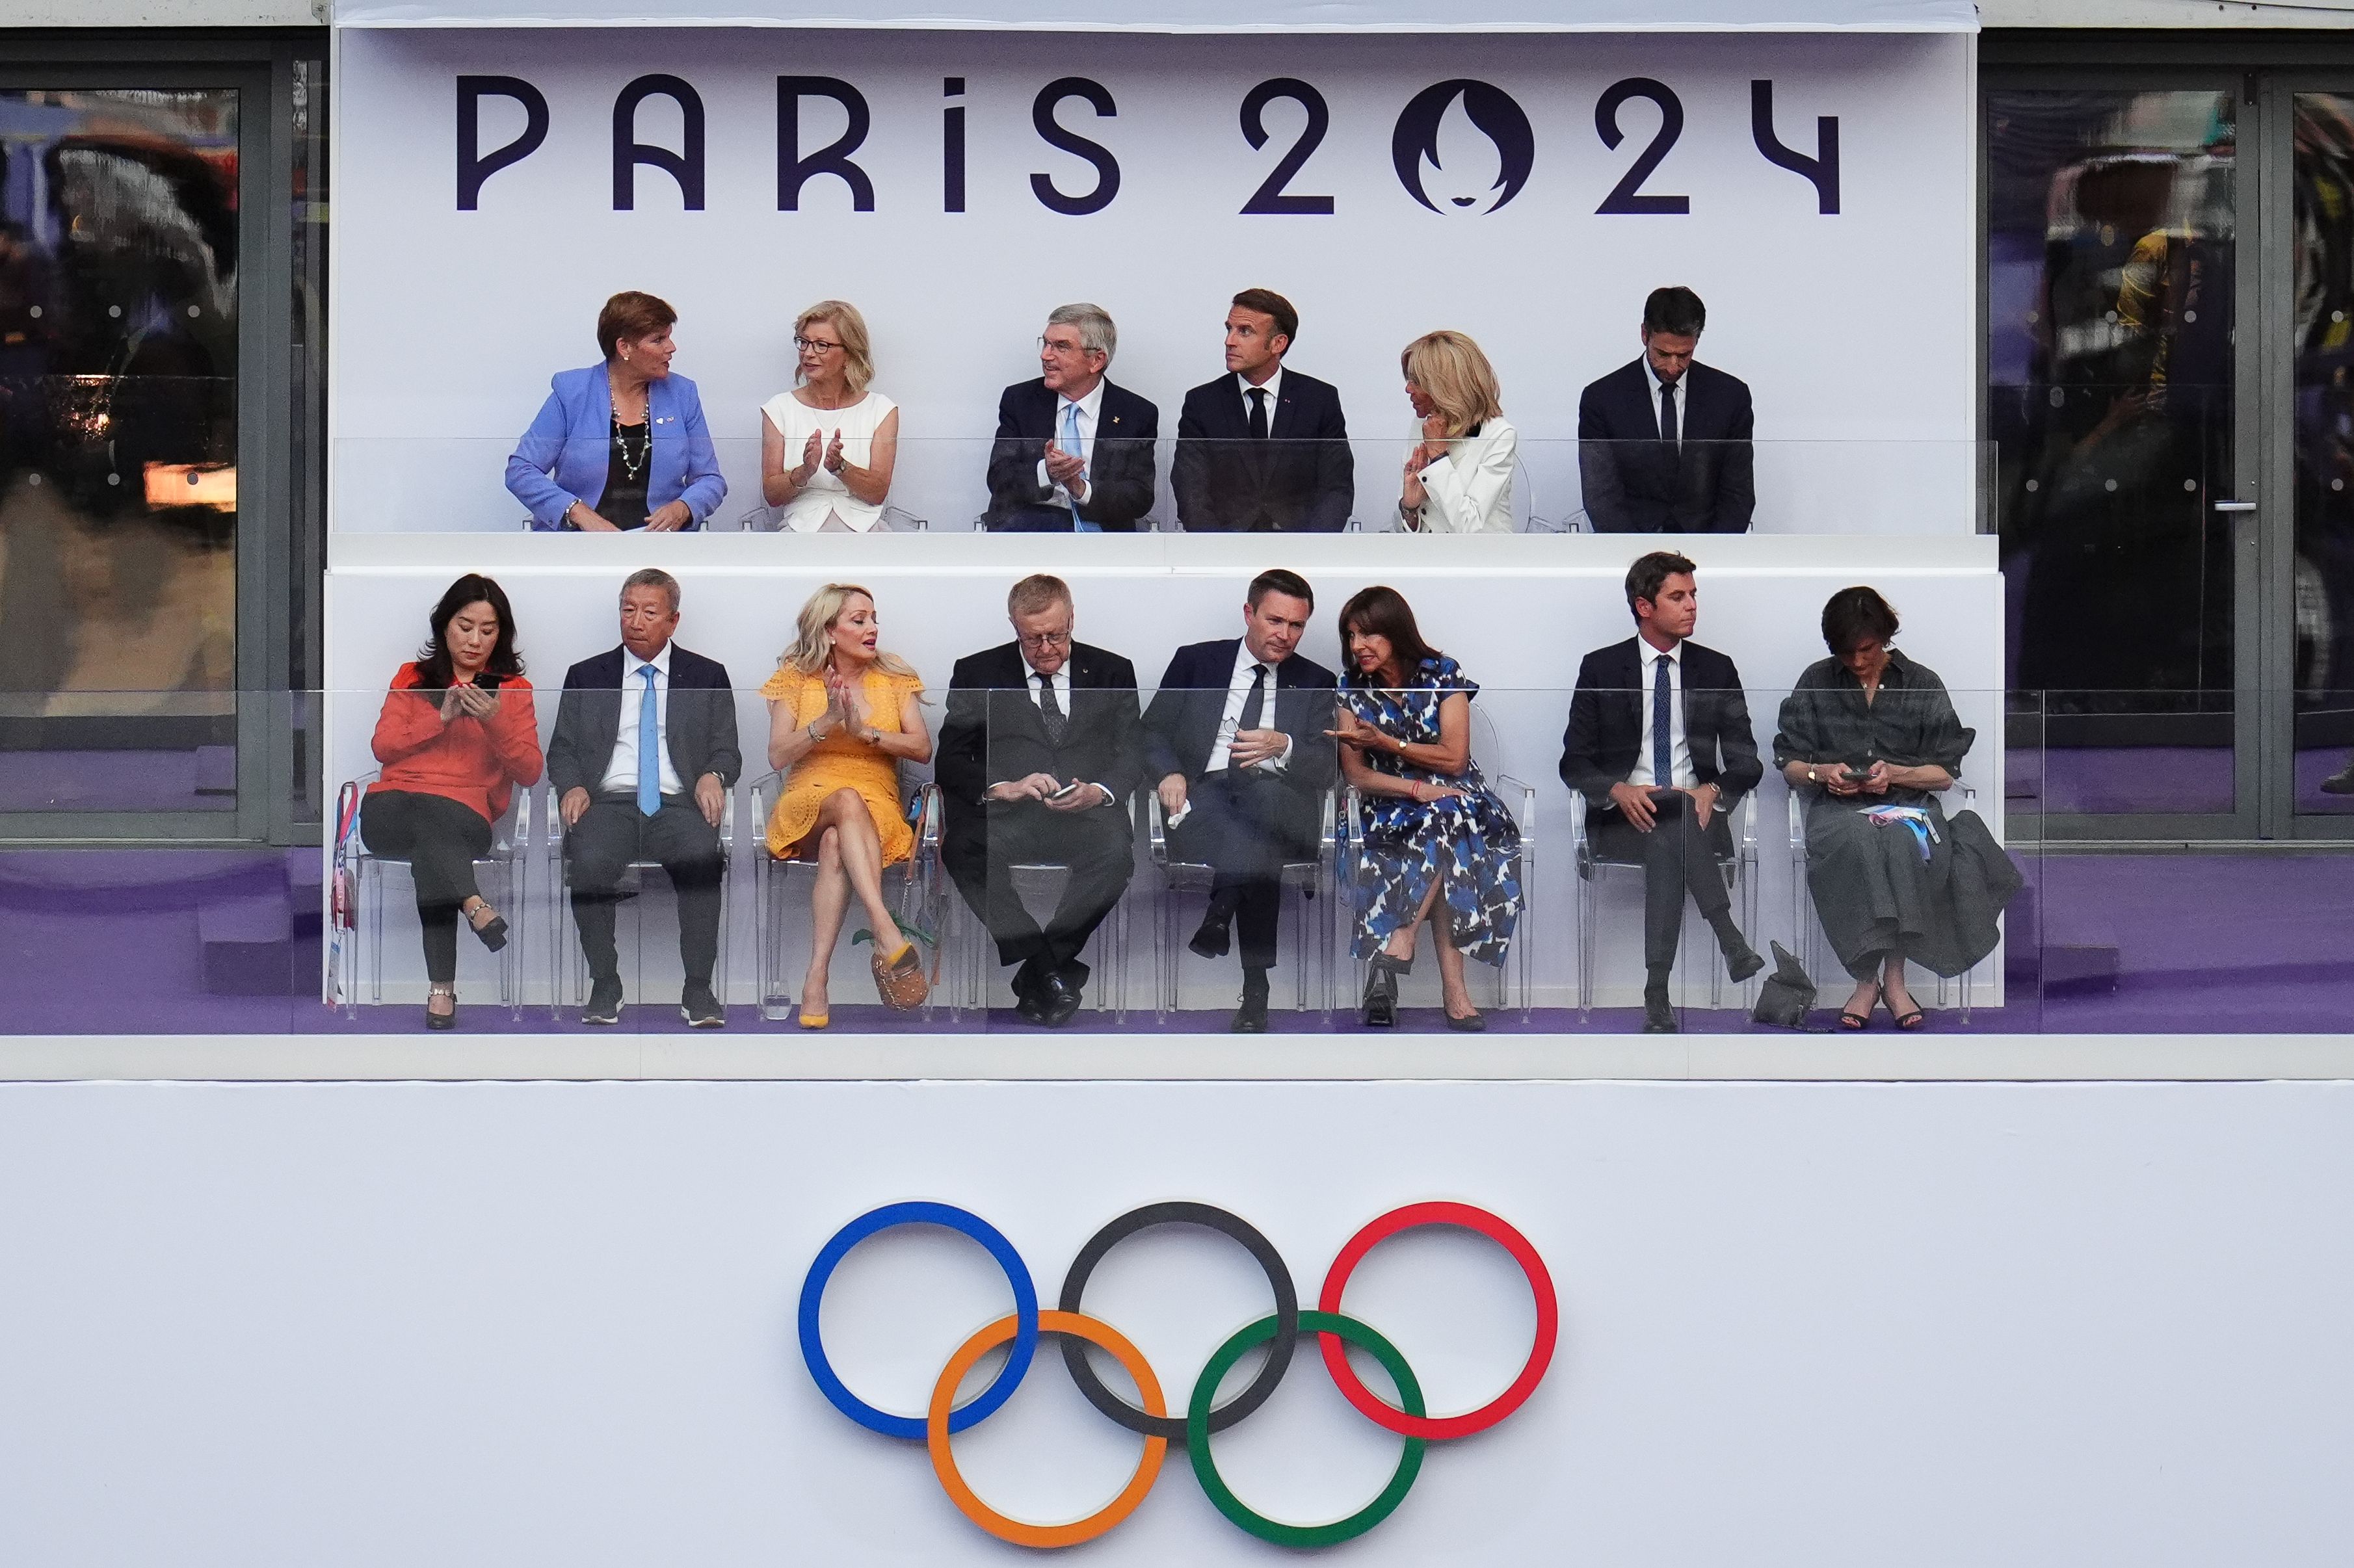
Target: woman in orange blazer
[{"x": 457, "y": 735}]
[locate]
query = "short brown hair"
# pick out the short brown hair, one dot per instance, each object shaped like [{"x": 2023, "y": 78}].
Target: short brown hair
[
  {"x": 1380, "y": 611},
  {"x": 1856, "y": 615},
  {"x": 1649, "y": 572},
  {"x": 629, "y": 316},
  {"x": 1277, "y": 580},
  {"x": 1036, "y": 592},
  {"x": 1267, "y": 302}
]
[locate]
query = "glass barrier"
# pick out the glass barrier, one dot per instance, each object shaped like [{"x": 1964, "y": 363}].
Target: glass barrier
[
  {"x": 936, "y": 483},
  {"x": 1123, "y": 907}
]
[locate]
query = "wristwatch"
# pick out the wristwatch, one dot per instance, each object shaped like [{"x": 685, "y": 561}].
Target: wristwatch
[{"x": 1810, "y": 774}]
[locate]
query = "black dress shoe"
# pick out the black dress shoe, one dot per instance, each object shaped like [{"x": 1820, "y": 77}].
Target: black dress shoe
[
  {"x": 1250, "y": 1017},
  {"x": 1742, "y": 962},
  {"x": 1475, "y": 1022},
  {"x": 700, "y": 1008},
  {"x": 1659, "y": 1016},
  {"x": 2340, "y": 782},
  {"x": 1212, "y": 939},
  {"x": 1029, "y": 1009},
  {"x": 604, "y": 1002},
  {"x": 1058, "y": 1001},
  {"x": 1378, "y": 1009}
]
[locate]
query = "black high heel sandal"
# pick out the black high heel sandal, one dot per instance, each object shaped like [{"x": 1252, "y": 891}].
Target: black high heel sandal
[
  {"x": 1379, "y": 1008},
  {"x": 441, "y": 1020},
  {"x": 493, "y": 931},
  {"x": 1852, "y": 1022},
  {"x": 1384, "y": 961}
]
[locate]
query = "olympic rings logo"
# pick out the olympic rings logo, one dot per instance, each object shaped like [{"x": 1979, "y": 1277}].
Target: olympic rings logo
[{"x": 1279, "y": 1332}]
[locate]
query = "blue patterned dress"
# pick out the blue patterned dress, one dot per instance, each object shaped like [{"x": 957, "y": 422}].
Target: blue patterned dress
[{"x": 1470, "y": 838}]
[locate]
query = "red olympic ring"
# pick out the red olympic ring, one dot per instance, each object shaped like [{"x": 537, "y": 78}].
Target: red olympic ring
[{"x": 1436, "y": 1428}]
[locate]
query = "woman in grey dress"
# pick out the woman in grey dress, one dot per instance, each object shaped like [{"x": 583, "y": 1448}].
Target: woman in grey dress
[{"x": 1862, "y": 731}]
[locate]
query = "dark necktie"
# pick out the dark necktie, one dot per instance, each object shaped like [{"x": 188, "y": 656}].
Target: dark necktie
[
  {"x": 1254, "y": 705},
  {"x": 1058, "y": 724},
  {"x": 1663, "y": 750},
  {"x": 1668, "y": 415},
  {"x": 1258, "y": 413}
]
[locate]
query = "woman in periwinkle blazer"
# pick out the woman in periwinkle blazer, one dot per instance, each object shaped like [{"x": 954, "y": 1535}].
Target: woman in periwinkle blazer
[{"x": 621, "y": 445}]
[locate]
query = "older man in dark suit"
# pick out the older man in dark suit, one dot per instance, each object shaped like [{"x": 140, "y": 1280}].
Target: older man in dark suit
[
  {"x": 1039, "y": 758},
  {"x": 1263, "y": 449},
  {"x": 643, "y": 757},
  {"x": 1074, "y": 452},
  {"x": 1238, "y": 735},
  {"x": 1659, "y": 742},
  {"x": 1664, "y": 441}
]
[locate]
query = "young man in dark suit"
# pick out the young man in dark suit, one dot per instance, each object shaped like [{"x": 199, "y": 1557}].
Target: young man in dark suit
[
  {"x": 1237, "y": 736},
  {"x": 1074, "y": 452},
  {"x": 1263, "y": 449},
  {"x": 643, "y": 757},
  {"x": 1039, "y": 758},
  {"x": 1658, "y": 743},
  {"x": 1664, "y": 441}
]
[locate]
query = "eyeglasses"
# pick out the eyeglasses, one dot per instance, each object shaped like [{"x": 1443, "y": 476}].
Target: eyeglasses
[
  {"x": 1051, "y": 347},
  {"x": 818, "y": 343},
  {"x": 1044, "y": 640}
]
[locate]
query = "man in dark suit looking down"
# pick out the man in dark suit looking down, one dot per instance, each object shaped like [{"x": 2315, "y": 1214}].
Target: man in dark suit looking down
[
  {"x": 1074, "y": 452},
  {"x": 1663, "y": 443},
  {"x": 1659, "y": 745},
  {"x": 1263, "y": 449},
  {"x": 1039, "y": 758},
  {"x": 643, "y": 756}
]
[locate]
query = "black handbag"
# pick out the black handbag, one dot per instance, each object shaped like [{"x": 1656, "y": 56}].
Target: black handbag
[{"x": 1787, "y": 995}]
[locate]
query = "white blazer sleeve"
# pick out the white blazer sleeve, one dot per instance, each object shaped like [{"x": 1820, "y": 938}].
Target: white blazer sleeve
[{"x": 1471, "y": 490}]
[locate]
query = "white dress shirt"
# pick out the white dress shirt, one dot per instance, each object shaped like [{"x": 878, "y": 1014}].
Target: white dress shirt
[
  {"x": 1089, "y": 407},
  {"x": 1677, "y": 388},
  {"x": 1679, "y": 744},
  {"x": 622, "y": 773},
  {"x": 1272, "y": 387},
  {"x": 1238, "y": 693}
]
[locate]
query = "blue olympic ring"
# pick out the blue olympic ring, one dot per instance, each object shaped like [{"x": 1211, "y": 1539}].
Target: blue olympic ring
[{"x": 964, "y": 1223}]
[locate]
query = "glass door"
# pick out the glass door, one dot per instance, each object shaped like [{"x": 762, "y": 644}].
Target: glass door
[{"x": 2115, "y": 423}]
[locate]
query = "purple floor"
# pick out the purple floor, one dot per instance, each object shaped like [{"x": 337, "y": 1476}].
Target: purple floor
[{"x": 144, "y": 942}]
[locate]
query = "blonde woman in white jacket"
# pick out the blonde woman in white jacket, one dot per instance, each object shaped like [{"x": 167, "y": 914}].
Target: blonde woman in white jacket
[{"x": 1458, "y": 477}]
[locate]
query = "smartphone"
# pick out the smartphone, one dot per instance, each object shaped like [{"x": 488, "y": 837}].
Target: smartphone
[
  {"x": 1854, "y": 775},
  {"x": 488, "y": 682},
  {"x": 1066, "y": 791}
]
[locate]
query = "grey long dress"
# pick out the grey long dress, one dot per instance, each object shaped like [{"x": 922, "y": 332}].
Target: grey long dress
[{"x": 1872, "y": 889}]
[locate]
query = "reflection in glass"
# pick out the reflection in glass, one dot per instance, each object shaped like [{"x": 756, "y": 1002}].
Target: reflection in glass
[
  {"x": 118, "y": 447},
  {"x": 2323, "y": 132},
  {"x": 2110, "y": 259}
]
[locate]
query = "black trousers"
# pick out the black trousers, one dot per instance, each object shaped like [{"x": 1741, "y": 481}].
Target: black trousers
[
  {"x": 441, "y": 839},
  {"x": 600, "y": 847},
  {"x": 1245, "y": 826},
  {"x": 1675, "y": 856},
  {"x": 1099, "y": 847}
]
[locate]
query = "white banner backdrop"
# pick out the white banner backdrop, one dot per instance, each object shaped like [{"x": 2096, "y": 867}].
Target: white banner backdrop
[
  {"x": 1941, "y": 1326},
  {"x": 956, "y": 186},
  {"x": 1199, "y": 16}
]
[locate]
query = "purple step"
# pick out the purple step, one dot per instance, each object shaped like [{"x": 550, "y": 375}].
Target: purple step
[{"x": 249, "y": 945}]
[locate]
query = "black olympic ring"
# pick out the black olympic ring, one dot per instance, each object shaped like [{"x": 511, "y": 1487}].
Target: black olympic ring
[{"x": 1278, "y": 1352}]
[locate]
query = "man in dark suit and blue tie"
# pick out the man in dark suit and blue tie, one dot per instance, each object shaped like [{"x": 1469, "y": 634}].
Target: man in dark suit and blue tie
[
  {"x": 643, "y": 756},
  {"x": 1658, "y": 743},
  {"x": 1039, "y": 759},
  {"x": 1237, "y": 736},
  {"x": 1263, "y": 449},
  {"x": 1074, "y": 452},
  {"x": 1664, "y": 441}
]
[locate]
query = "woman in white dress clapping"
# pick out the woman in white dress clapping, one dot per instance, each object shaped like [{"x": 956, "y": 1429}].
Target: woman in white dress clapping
[
  {"x": 827, "y": 446},
  {"x": 1458, "y": 477}
]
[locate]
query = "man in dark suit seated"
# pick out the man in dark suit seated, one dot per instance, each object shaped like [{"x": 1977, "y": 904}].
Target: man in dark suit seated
[
  {"x": 1074, "y": 452},
  {"x": 1263, "y": 449},
  {"x": 1664, "y": 441},
  {"x": 1237, "y": 736},
  {"x": 643, "y": 757},
  {"x": 1658, "y": 744},
  {"x": 1039, "y": 758}
]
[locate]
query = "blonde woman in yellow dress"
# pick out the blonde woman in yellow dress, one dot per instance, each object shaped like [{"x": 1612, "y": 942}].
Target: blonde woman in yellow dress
[{"x": 843, "y": 714}]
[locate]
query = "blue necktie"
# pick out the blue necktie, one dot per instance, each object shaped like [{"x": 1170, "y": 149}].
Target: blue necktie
[
  {"x": 1663, "y": 750},
  {"x": 1071, "y": 445},
  {"x": 648, "y": 741}
]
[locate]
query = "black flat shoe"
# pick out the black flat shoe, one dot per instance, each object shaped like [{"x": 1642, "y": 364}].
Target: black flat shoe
[
  {"x": 1250, "y": 1017},
  {"x": 441, "y": 1020},
  {"x": 1659, "y": 1015},
  {"x": 1742, "y": 964},
  {"x": 1210, "y": 939},
  {"x": 1476, "y": 1023},
  {"x": 493, "y": 931},
  {"x": 1379, "y": 1008}
]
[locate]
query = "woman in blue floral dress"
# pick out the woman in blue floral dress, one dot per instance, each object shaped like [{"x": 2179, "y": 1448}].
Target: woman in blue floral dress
[{"x": 1438, "y": 843}]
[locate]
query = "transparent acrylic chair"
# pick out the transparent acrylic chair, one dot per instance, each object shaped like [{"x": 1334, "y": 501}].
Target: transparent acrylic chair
[
  {"x": 1814, "y": 948},
  {"x": 1037, "y": 884},
  {"x": 504, "y": 871},
  {"x": 762, "y": 518},
  {"x": 1738, "y": 869},
  {"x": 565, "y": 936},
  {"x": 921, "y": 879},
  {"x": 1311, "y": 880},
  {"x": 1521, "y": 961}
]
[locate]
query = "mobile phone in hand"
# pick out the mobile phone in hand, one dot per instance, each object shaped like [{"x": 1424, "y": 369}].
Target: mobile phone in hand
[
  {"x": 1066, "y": 791},
  {"x": 488, "y": 682},
  {"x": 1855, "y": 775}
]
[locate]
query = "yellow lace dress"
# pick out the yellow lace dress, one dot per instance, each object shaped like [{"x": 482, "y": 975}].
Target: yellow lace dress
[{"x": 840, "y": 761}]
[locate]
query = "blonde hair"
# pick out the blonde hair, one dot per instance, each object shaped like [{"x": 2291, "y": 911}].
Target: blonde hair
[
  {"x": 1036, "y": 592},
  {"x": 857, "y": 354},
  {"x": 1450, "y": 368},
  {"x": 814, "y": 644}
]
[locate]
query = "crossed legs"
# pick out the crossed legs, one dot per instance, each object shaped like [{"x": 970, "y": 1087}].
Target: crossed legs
[
  {"x": 849, "y": 861},
  {"x": 1455, "y": 996}
]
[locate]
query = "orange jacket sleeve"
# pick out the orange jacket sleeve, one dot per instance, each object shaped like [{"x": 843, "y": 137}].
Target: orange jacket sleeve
[
  {"x": 410, "y": 722},
  {"x": 514, "y": 734}
]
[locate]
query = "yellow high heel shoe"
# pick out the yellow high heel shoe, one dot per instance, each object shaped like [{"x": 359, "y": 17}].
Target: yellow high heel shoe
[{"x": 815, "y": 1020}]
